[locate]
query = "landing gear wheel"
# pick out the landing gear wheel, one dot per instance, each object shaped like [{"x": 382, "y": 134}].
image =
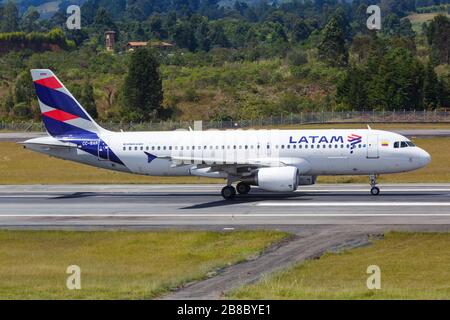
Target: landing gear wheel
[
  {"x": 375, "y": 191},
  {"x": 228, "y": 192},
  {"x": 243, "y": 188}
]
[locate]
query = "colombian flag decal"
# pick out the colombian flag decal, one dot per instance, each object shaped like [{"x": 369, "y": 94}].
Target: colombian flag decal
[{"x": 385, "y": 144}]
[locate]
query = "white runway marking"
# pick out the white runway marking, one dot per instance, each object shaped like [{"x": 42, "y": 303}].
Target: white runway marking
[
  {"x": 353, "y": 204},
  {"x": 225, "y": 215}
]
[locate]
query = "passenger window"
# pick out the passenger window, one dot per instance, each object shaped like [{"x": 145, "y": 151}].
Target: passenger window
[
  {"x": 135, "y": 148},
  {"x": 124, "y": 148}
]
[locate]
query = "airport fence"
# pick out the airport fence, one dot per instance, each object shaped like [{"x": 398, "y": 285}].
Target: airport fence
[{"x": 363, "y": 117}]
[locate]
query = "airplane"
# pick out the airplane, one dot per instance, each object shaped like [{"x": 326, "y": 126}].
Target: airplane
[{"x": 272, "y": 160}]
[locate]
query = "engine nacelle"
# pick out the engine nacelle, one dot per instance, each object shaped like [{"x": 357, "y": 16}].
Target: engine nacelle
[
  {"x": 307, "y": 180},
  {"x": 280, "y": 179}
]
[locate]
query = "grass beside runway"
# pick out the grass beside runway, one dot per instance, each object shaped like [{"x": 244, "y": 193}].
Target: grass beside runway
[
  {"x": 413, "y": 266},
  {"x": 117, "y": 265},
  {"x": 19, "y": 166}
]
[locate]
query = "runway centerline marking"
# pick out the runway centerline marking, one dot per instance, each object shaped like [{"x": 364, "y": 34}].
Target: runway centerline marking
[
  {"x": 225, "y": 215},
  {"x": 353, "y": 204}
]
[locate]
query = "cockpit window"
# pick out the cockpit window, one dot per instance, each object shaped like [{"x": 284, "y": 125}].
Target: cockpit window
[{"x": 403, "y": 144}]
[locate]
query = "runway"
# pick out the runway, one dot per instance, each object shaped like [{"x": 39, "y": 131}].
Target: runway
[{"x": 202, "y": 205}]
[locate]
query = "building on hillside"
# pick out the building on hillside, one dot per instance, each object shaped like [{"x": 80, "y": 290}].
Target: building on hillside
[
  {"x": 133, "y": 45},
  {"x": 110, "y": 40},
  {"x": 161, "y": 45}
]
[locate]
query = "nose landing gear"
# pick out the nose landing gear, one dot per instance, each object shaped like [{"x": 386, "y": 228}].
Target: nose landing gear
[{"x": 375, "y": 191}]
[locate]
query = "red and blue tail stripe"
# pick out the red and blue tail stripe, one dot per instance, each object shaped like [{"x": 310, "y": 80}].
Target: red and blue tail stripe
[
  {"x": 64, "y": 118},
  {"x": 61, "y": 112}
]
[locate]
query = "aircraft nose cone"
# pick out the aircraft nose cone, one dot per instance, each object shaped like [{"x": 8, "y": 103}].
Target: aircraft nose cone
[{"x": 425, "y": 157}]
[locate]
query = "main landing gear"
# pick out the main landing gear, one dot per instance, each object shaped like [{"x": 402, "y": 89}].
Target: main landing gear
[
  {"x": 229, "y": 192},
  {"x": 375, "y": 191},
  {"x": 243, "y": 188}
]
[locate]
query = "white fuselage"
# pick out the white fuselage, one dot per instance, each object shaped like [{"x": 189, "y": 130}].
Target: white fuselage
[{"x": 184, "y": 153}]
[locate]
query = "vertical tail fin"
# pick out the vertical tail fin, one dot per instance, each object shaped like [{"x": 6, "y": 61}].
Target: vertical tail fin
[{"x": 61, "y": 112}]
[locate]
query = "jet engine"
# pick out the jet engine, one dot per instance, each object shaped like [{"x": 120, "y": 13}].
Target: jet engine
[{"x": 280, "y": 179}]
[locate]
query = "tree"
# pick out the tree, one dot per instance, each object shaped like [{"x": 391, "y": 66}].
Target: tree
[
  {"x": 184, "y": 36},
  {"x": 398, "y": 82},
  {"x": 9, "y": 21},
  {"x": 8, "y": 104},
  {"x": 391, "y": 24},
  {"x": 431, "y": 87},
  {"x": 332, "y": 48},
  {"x": 87, "y": 99},
  {"x": 103, "y": 21},
  {"x": 24, "y": 90},
  {"x": 142, "y": 92},
  {"x": 405, "y": 29},
  {"x": 218, "y": 36},
  {"x": 156, "y": 26},
  {"x": 352, "y": 89},
  {"x": 29, "y": 20},
  {"x": 202, "y": 36},
  {"x": 300, "y": 30},
  {"x": 438, "y": 34}
]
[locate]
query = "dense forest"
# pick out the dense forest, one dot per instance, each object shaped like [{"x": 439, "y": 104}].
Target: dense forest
[{"x": 229, "y": 59}]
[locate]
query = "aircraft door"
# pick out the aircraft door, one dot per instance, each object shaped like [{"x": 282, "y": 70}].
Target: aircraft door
[{"x": 372, "y": 146}]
